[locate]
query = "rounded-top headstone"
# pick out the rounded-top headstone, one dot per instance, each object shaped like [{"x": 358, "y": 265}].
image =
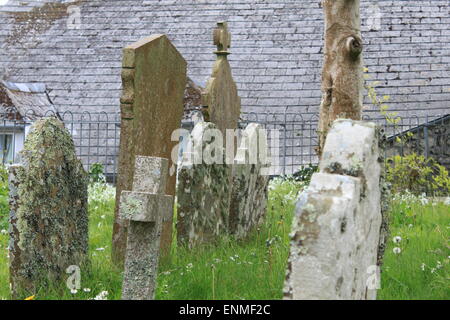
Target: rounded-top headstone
[{"x": 49, "y": 219}]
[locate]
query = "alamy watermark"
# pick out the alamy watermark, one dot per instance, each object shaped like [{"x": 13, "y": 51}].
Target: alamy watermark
[
  {"x": 262, "y": 147},
  {"x": 74, "y": 280},
  {"x": 74, "y": 18},
  {"x": 373, "y": 282}
]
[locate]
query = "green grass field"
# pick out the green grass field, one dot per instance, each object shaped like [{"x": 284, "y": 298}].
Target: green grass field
[{"x": 255, "y": 268}]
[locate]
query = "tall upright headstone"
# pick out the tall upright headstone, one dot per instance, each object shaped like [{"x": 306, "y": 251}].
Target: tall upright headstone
[
  {"x": 154, "y": 79},
  {"x": 248, "y": 202},
  {"x": 48, "y": 209},
  {"x": 146, "y": 207},
  {"x": 336, "y": 230},
  {"x": 223, "y": 104},
  {"x": 203, "y": 190}
]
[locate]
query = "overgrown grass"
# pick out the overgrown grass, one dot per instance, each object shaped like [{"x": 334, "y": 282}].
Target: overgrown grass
[
  {"x": 255, "y": 268},
  {"x": 250, "y": 269},
  {"x": 421, "y": 270}
]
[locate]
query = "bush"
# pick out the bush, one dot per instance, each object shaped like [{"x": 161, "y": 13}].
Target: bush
[
  {"x": 417, "y": 174},
  {"x": 96, "y": 173}
]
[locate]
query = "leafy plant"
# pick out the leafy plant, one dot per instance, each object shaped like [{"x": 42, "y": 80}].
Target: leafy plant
[
  {"x": 418, "y": 175},
  {"x": 96, "y": 173},
  {"x": 305, "y": 173},
  {"x": 380, "y": 102},
  {"x": 392, "y": 118}
]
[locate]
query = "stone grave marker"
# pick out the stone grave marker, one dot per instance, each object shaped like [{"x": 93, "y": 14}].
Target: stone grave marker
[
  {"x": 146, "y": 207},
  {"x": 48, "y": 209},
  {"x": 223, "y": 104},
  {"x": 250, "y": 182},
  {"x": 154, "y": 80},
  {"x": 203, "y": 190},
  {"x": 336, "y": 229}
]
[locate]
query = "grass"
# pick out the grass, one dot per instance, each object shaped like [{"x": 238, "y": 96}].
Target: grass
[
  {"x": 421, "y": 270},
  {"x": 255, "y": 268},
  {"x": 251, "y": 269}
]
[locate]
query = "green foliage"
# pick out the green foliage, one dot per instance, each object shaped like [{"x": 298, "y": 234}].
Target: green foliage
[
  {"x": 4, "y": 208},
  {"x": 305, "y": 173},
  {"x": 380, "y": 102},
  {"x": 255, "y": 268},
  {"x": 96, "y": 173},
  {"x": 417, "y": 259},
  {"x": 418, "y": 175},
  {"x": 392, "y": 118},
  {"x": 250, "y": 269}
]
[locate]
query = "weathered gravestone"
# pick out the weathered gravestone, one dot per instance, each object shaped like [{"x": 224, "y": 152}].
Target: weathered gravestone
[
  {"x": 146, "y": 207},
  {"x": 203, "y": 190},
  {"x": 336, "y": 229},
  {"x": 203, "y": 194},
  {"x": 48, "y": 209},
  {"x": 154, "y": 79},
  {"x": 220, "y": 97},
  {"x": 250, "y": 182}
]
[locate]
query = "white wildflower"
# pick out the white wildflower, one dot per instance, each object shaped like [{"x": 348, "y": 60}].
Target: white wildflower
[
  {"x": 397, "y": 239},
  {"x": 73, "y": 291},
  {"x": 422, "y": 266},
  {"x": 87, "y": 290},
  {"x": 102, "y": 296},
  {"x": 4, "y": 231},
  {"x": 397, "y": 250}
]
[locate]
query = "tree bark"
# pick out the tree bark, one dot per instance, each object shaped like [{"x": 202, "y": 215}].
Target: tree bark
[{"x": 342, "y": 74}]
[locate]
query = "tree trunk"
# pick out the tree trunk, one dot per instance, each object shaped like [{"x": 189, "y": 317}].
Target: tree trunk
[{"x": 342, "y": 74}]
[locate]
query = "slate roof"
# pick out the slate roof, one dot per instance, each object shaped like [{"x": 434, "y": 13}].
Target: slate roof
[
  {"x": 25, "y": 101},
  {"x": 276, "y": 46}
]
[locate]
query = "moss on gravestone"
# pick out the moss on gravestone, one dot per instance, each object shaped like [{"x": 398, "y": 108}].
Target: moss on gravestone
[{"x": 51, "y": 217}]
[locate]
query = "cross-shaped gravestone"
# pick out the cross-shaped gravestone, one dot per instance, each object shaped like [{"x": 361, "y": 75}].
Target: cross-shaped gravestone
[
  {"x": 222, "y": 38},
  {"x": 146, "y": 207}
]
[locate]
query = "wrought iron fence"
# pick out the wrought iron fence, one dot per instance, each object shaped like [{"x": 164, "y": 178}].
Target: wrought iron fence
[
  {"x": 292, "y": 136},
  {"x": 423, "y": 134},
  {"x": 96, "y": 136}
]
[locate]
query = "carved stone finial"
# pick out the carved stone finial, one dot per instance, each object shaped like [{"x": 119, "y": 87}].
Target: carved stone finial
[{"x": 222, "y": 38}]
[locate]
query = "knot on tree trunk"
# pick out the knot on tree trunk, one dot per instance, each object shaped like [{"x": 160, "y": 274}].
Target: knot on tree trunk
[{"x": 354, "y": 46}]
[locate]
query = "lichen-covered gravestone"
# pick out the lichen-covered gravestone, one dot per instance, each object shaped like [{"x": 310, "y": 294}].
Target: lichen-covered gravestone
[
  {"x": 48, "y": 209},
  {"x": 146, "y": 207},
  {"x": 203, "y": 190},
  {"x": 154, "y": 80},
  {"x": 248, "y": 201},
  {"x": 336, "y": 229}
]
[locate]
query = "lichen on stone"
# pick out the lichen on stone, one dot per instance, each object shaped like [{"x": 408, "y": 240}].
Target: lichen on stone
[{"x": 52, "y": 219}]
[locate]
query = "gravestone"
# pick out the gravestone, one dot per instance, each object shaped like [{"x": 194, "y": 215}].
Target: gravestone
[
  {"x": 48, "y": 209},
  {"x": 203, "y": 190},
  {"x": 250, "y": 181},
  {"x": 336, "y": 229},
  {"x": 223, "y": 104},
  {"x": 146, "y": 207},
  {"x": 154, "y": 80}
]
